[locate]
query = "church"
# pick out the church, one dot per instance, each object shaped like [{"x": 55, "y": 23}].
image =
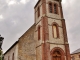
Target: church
[{"x": 46, "y": 39}]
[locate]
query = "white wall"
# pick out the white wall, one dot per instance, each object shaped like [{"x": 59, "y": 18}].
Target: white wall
[{"x": 10, "y": 53}]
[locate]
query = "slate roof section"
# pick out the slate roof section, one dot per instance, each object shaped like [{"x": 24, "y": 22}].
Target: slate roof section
[{"x": 76, "y": 51}]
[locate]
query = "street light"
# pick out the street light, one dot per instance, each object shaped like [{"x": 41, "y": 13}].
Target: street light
[{"x": 1, "y": 41}]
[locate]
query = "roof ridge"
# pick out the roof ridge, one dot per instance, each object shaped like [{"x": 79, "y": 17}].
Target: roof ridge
[{"x": 76, "y": 51}]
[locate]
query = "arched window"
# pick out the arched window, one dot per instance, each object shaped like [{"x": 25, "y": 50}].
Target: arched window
[
  {"x": 55, "y": 31},
  {"x": 13, "y": 56},
  {"x": 50, "y": 7},
  {"x": 39, "y": 33},
  {"x": 55, "y": 9},
  {"x": 38, "y": 11}
]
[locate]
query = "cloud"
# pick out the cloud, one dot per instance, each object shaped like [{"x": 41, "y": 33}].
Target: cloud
[
  {"x": 36, "y": 0},
  {"x": 63, "y": 1},
  {"x": 17, "y": 19},
  {"x": 24, "y": 1},
  {"x": 1, "y": 16},
  {"x": 71, "y": 14},
  {"x": 11, "y": 2}
]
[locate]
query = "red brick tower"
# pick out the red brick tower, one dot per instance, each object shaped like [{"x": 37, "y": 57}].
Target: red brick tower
[{"x": 51, "y": 36}]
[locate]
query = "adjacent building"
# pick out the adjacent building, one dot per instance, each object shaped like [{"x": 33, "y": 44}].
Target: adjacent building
[
  {"x": 46, "y": 39},
  {"x": 75, "y": 55}
]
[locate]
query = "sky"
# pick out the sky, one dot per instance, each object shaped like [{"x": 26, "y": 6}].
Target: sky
[{"x": 16, "y": 16}]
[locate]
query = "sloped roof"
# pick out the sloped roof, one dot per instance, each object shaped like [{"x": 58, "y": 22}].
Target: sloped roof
[
  {"x": 18, "y": 40},
  {"x": 11, "y": 47},
  {"x": 76, "y": 51}
]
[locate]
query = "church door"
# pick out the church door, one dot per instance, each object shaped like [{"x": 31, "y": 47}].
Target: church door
[{"x": 56, "y": 55}]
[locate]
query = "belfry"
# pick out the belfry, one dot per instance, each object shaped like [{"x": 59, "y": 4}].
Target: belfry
[{"x": 52, "y": 42}]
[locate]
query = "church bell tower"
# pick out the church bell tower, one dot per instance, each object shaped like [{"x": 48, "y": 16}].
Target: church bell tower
[{"x": 51, "y": 35}]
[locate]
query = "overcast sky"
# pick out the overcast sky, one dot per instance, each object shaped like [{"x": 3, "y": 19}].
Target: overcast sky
[{"x": 16, "y": 16}]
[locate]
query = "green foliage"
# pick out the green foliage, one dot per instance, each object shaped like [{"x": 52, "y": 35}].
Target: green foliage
[
  {"x": 0, "y": 52},
  {"x": 0, "y": 58}
]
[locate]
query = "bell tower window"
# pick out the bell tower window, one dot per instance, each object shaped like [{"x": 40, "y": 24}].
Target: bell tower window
[
  {"x": 38, "y": 11},
  {"x": 39, "y": 33},
  {"x": 55, "y": 9},
  {"x": 55, "y": 31},
  {"x": 50, "y": 7}
]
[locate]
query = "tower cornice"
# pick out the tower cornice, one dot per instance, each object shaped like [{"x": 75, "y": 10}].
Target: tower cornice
[
  {"x": 37, "y": 3},
  {"x": 40, "y": 0}
]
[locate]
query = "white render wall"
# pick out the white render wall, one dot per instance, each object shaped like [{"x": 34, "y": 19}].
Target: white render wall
[{"x": 10, "y": 53}]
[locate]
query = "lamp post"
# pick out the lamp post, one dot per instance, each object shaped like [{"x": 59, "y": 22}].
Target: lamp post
[{"x": 1, "y": 41}]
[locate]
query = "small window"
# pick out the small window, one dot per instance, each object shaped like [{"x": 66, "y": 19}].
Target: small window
[
  {"x": 50, "y": 7},
  {"x": 8, "y": 58},
  {"x": 39, "y": 33},
  {"x": 55, "y": 31},
  {"x": 55, "y": 9},
  {"x": 13, "y": 56},
  {"x": 38, "y": 11},
  {"x": 79, "y": 56}
]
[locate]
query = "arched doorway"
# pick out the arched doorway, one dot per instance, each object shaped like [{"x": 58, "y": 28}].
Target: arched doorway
[{"x": 57, "y": 54}]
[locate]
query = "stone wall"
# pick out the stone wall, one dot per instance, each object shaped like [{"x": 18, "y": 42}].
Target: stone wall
[{"x": 27, "y": 45}]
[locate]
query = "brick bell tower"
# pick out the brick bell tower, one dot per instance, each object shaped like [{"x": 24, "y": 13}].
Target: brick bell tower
[{"x": 51, "y": 35}]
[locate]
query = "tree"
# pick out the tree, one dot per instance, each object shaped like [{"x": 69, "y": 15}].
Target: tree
[{"x": 0, "y": 54}]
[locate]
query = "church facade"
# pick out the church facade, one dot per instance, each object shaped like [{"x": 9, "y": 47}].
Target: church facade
[{"x": 46, "y": 39}]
